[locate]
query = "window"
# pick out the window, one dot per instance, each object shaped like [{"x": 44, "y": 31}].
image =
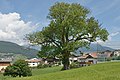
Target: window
[{"x": 33, "y": 64}]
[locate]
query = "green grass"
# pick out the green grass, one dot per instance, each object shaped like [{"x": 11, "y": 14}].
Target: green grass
[
  {"x": 4, "y": 77},
  {"x": 46, "y": 70},
  {"x": 103, "y": 71}
]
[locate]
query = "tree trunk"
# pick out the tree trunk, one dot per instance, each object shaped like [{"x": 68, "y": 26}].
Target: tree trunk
[{"x": 65, "y": 62}]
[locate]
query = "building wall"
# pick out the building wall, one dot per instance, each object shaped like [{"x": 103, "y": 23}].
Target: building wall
[
  {"x": 91, "y": 59},
  {"x": 81, "y": 60},
  {"x": 2, "y": 67},
  {"x": 117, "y": 53},
  {"x": 102, "y": 57},
  {"x": 33, "y": 64},
  {"x": 73, "y": 59}
]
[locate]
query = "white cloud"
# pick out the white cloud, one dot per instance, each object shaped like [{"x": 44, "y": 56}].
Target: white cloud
[
  {"x": 110, "y": 42},
  {"x": 112, "y": 35},
  {"x": 109, "y": 37},
  {"x": 13, "y": 29}
]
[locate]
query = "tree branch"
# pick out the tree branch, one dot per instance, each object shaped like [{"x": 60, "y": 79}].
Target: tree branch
[{"x": 57, "y": 43}]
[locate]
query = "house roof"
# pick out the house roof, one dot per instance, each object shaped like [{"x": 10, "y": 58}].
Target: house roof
[
  {"x": 86, "y": 56},
  {"x": 117, "y": 50},
  {"x": 34, "y": 60},
  {"x": 5, "y": 61},
  {"x": 94, "y": 54},
  {"x": 51, "y": 59}
]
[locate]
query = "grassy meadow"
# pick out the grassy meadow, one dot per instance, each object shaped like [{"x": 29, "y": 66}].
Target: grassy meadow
[{"x": 102, "y": 71}]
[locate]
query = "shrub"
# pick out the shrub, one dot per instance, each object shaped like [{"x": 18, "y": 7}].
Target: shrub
[
  {"x": 118, "y": 58},
  {"x": 74, "y": 65},
  {"x": 44, "y": 66},
  {"x": 19, "y": 68},
  {"x": 40, "y": 66},
  {"x": 109, "y": 59}
]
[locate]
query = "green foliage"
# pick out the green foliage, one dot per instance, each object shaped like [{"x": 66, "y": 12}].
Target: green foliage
[
  {"x": 109, "y": 59},
  {"x": 40, "y": 66},
  {"x": 70, "y": 28},
  {"x": 47, "y": 65},
  {"x": 44, "y": 66},
  {"x": 74, "y": 65},
  {"x": 115, "y": 57},
  {"x": 19, "y": 68},
  {"x": 11, "y": 70},
  {"x": 118, "y": 58}
]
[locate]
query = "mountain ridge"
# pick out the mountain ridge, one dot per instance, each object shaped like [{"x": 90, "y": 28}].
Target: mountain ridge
[
  {"x": 9, "y": 47},
  {"x": 95, "y": 48}
]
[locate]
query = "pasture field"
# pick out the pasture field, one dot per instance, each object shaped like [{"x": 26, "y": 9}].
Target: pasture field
[{"x": 101, "y": 71}]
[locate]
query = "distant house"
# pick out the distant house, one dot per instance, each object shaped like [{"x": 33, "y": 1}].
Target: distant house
[
  {"x": 87, "y": 59},
  {"x": 73, "y": 58},
  {"x": 54, "y": 61},
  {"x": 104, "y": 56},
  {"x": 117, "y": 52},
  {"x": 4, "y": 64},
  {"x": 108, "y": 52},
  {"x": 34, "y": 62},
  {"x": 94, "y": 54}
]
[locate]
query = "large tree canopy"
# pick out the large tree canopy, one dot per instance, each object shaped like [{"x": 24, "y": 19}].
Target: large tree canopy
[{"x": 70, "y": 28}]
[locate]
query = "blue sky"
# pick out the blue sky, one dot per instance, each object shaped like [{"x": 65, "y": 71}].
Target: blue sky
[{"x": 35, "y": 11}]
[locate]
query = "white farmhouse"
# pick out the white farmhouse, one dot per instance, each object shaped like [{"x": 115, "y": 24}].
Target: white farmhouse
[
  {"x": 4, "y": 64},
  {"x": 87, "y": 60},
  {"x": 34, "y": 62}
]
